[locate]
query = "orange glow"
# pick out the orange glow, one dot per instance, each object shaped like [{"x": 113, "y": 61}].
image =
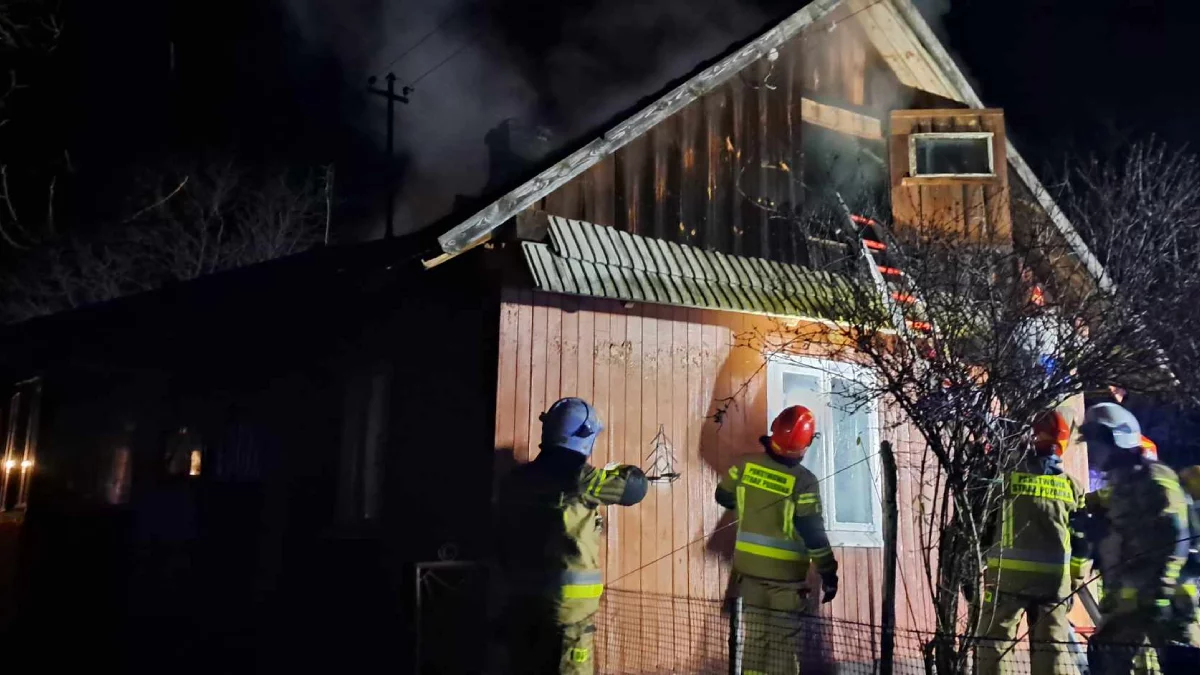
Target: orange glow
[
  {"x": 194, "y": 468},
  {"x": 26, "y": 464},
  {"x": 8, "y": 466}
]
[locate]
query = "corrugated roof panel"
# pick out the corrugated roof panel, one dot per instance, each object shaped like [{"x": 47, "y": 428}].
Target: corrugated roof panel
[{"x": 587, "y": 259}]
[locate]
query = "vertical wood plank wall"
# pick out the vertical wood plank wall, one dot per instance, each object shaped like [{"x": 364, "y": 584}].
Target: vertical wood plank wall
[{"x": 649, "y": 367}]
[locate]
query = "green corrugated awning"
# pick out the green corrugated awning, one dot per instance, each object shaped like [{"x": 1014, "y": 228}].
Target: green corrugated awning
[{"x": 582, "y": 258}]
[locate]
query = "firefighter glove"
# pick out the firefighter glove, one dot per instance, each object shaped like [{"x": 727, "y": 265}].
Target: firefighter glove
[{"x": 829, "y": 581}]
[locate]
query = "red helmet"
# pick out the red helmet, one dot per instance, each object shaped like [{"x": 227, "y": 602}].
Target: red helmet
[
  {"x": 792, "y": 432},
  {"x": 1051, "y": 434}
]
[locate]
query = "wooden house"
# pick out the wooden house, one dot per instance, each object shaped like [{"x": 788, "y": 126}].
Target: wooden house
[{"x": 290, "y": 441}]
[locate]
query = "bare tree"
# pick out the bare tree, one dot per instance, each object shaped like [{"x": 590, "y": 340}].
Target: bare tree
[
  {"x": 28, "y": 29},
  {"x": 197, "y": 219},
  {"x": 967, "y": 343},
  {"x": 1139, "y": 210}
]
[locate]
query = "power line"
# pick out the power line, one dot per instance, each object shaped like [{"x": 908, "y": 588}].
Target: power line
[
  {"x": 470, "y": 41},
  {"x": 436, "y": 29}
]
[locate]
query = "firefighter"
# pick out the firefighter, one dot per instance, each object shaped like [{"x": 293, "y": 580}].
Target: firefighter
[
  {"x": 780, "y": 533},
  {"x": 1147, "y": 515},
  {"x": 550, "y": 529},
  {"x": 1035, "y": 559},
  {"x": 1187, "y": 598}
]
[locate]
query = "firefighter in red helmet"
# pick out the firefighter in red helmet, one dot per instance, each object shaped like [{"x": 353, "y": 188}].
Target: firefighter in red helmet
[
  {"x": 1035, "y": 559},
  {"x": 780, "y": 534}
]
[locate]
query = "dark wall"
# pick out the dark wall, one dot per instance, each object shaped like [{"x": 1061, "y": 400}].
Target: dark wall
[{"x": 255, "y": 564}]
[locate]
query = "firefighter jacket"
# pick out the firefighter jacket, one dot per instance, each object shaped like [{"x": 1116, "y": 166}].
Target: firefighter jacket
[
  {"x": 1147, "y": 513},
  {"x": 780, "y": 531},
  {"x": 550, "y": 523},
  {"x": 1034, "y": 549}
]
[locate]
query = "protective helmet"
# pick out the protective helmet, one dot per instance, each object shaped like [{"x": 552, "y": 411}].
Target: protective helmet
[
  {"x": 571, "y": 423},
  {"x": 793, "y": 431},
  {"x": 1051, "y": 434},
  {"x": 1149, "y": 449},
  {"x": 1189, "y": 478},
  {"x": 1113, "y": 423}
]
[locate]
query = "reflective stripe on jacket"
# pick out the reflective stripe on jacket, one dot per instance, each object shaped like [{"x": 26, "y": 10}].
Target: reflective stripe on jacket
[
  {"x": 770, "y": 497},
  {"x": 1148, "y": 513},
  {"x": 550, "y": 525},
  {"x": 1032, "y": 554}
]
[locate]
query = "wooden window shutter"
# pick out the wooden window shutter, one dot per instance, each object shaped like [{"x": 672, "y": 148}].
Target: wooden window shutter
[{"x": 949, "y": 171}]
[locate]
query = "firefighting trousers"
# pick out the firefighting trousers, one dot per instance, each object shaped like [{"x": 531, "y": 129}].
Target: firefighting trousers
[
  {"x": 1119, "y": 645},
  {"x": 1050, "y": 635},
  {"x": 771, "y": 625},
  {"x": 551, "y": 638}
]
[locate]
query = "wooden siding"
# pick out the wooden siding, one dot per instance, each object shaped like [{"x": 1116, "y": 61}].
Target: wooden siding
[
  {"x": 977, "y": 208},
  {"x": 703, "y": 176},
  {"x": 648, "y": 367}
]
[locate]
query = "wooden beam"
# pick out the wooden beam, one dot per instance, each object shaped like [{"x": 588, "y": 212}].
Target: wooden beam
[
  {"x": 840, "y": 120},
  {"x": 462, "y": 236},
  {"x": 903, "y": 52}
]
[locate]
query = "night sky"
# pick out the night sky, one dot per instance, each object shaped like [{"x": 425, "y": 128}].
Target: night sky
[{"x": 283, "y": 80}]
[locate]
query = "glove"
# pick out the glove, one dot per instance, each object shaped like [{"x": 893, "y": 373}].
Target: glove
[{"x": 829, "y": 582}]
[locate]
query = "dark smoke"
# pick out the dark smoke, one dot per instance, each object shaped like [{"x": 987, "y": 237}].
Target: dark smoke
[{"x": 556, "y": 70}]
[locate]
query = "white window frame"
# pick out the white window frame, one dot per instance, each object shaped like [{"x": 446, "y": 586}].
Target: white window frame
[
  {"x": 840, "y": 534},
  {"x": 952, "y": 135}
]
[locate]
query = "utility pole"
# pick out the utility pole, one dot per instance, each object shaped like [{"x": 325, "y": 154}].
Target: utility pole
[{"x": 391, "y": 97}]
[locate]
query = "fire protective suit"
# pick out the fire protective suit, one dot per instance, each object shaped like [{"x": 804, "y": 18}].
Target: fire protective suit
[
  {"x": 780, "y": 533},
  {"x": 1147, "y": 514},
  {"x": 1036, "y": 559},
  {"x": 550, "y": 526}
]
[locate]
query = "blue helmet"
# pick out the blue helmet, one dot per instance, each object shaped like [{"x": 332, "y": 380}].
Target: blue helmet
[
  {"x": 571, "y": 423},
  {"x": 1112, "y": 433}
]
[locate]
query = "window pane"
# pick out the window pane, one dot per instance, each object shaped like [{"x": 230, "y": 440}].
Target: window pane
[
  {"x": 952, "y": 155},
  {"x": 853, "y": 492},
  {"x": 803, "y": 389}
]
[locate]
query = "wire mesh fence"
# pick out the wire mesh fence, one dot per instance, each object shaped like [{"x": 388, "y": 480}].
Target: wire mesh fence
[{"x": 648, "y": 634}]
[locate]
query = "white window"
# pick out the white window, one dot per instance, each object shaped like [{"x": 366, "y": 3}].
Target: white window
[
  {"x": 844, "y": 456},
  {"x": 951, "y": 155}
]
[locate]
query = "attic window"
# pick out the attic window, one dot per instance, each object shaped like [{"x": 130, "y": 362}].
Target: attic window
[{"x": 951, "y": 155}]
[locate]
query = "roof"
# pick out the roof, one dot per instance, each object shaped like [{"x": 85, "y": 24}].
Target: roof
[
  {"x": 894, "y": 27},
  {"x": 586, "y": 259}
]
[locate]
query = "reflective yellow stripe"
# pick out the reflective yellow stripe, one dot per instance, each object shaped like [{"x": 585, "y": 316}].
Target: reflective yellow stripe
[
  {"x": 1128, "y": 594},
  {"x": 768, "y": 551},
  {"x": 733, "y": 472},
  {"x": 1077, "y": 566},
  {"x": 580, "y": 655},
  {"x": 789, "y": 512},
  {"x": 821, "y": 552},
  {"x": 808, "y": 498},
  {"x": 579, "y": 591},
  {"x": 1006, "y": 535},
  {"x": 1026, "y": 565},
  {"x": 741, "y": 501},
  {"x": 1042, "y": 487},
  {"x": 772, "y": 481},
  {"x": 1191, "y": 590}
]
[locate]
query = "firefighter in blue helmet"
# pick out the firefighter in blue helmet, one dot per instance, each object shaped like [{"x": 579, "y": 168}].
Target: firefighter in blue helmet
[
  {"x": 550, "y": 524},
  {"x": 1147, "y": 514}
]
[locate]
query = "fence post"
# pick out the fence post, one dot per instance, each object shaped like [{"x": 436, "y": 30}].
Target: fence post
[
  {"x": 735, "y": 619},
  {"x": 887, "y": 638}
]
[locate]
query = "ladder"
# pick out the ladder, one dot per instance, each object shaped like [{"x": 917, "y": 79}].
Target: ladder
[{"x": 885, "y": 267}]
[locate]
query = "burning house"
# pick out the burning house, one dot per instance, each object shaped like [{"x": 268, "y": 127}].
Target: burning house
[{"x": 275, "y": 443}]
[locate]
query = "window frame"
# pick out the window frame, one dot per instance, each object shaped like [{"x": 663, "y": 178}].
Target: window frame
[
  {"x": 913, "y": 138},
  {"x": 853, "y": 535}
]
